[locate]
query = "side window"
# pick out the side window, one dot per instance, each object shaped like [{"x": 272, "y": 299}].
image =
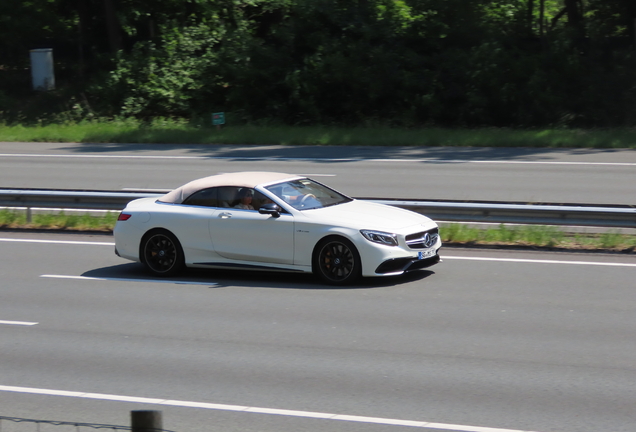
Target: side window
[
  {"x": 203, "y": 198},
  {"x": 224, "y": 197},
  {"x": 259, "y": 200},
  {"x": 227, "y": 196}
]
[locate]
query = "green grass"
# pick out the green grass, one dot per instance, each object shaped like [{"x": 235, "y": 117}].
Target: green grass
[
  {"x": 10, "y": 218},
  {"x": 536, "y": 236},
  {"x": 182, "y": 132},
  {"x": 456, "y": 234}
]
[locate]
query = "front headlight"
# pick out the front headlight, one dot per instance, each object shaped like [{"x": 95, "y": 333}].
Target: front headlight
[{"x": 384, "y": 238}]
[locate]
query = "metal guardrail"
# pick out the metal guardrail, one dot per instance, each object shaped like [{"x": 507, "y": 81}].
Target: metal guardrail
[
  {"x": 494, "y": 212},
  {"x": 540, "y": 214},
  {"x": 72, "y": 199}
]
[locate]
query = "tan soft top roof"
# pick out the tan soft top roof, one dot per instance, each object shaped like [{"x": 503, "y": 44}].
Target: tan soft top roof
[{"x": 240, "y": 179}]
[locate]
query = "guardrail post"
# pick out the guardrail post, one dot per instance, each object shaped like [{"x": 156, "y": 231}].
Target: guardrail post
[
  {"x": 146, "y": 421},
  {"x": 29, "y": 215}
]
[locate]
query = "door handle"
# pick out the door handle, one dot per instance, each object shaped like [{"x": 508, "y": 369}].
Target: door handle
[{"x": 225, "y": 215}]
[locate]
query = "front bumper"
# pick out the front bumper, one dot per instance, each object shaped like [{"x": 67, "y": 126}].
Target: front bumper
[{"x": 399, "y": 266}]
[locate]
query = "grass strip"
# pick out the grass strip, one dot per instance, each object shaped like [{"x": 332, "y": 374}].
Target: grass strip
[
  {"x": 537, "y": 236},
  {"x": 14, "y": 219},
  {"x": 168, "y": 131}
]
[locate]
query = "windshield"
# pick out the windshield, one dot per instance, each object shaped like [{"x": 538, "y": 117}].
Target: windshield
[{"x": 305, "y": 194}]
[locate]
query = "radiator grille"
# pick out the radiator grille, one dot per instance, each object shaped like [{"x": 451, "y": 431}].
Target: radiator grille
[{"x": 423, "y": 240}]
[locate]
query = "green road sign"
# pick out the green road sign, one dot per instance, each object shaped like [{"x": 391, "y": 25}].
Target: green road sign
[{"x": 218, "y": 118}]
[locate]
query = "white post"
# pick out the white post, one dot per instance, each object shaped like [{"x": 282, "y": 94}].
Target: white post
[{"x": 42, "y": 69}]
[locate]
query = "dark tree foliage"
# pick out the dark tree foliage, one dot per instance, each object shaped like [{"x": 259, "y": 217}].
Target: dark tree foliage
[{"x": 514, "y": 63}]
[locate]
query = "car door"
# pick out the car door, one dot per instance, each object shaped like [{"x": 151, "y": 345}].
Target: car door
[
  {"x": 247, "y": 235},
  {"x": 192, "y": 227}
]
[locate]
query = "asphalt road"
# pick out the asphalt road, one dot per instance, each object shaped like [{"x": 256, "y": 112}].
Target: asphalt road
[
  {"x": 485, "y": 340},
  {"x": 490, "y": 174}
]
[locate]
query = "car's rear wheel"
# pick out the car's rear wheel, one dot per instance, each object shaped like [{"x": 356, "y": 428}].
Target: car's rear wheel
[
  {"x": 337, "y": 261},
  {"x": 161, "y": 253}
]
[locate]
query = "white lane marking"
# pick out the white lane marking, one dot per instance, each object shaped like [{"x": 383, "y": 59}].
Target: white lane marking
[
  {"x": 507, "y": 162},
  {"x": 517, "y": 260},
  {"x": 536, "y": 261},
  {"x": 19, "y": 323},
  {"x": 309, "y": 159},
  {"x": 169, "y": 281},
  {"x": 89, "y": 156},
  {"x": 257, "y": 410},
  {"x": 69, "y": 242}
]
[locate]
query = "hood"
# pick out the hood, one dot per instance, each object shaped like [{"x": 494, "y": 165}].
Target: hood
[{"x": 367, "y": 215}]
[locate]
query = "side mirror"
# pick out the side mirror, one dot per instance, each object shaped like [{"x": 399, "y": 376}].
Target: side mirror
[{"x": 270, "y": 209}]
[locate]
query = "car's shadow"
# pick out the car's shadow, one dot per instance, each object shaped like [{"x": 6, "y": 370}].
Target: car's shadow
[{"x": 256, "y": 279}]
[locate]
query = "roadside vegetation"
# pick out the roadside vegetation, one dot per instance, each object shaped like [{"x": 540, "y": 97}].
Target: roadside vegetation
[
  {"x": 172, "y": 131},
  {"x": 17, "y": 219},
  {"x": 542, "y": 65},
  {"x": 537, "y": 236},
  {"x": 527, "y": 236}
]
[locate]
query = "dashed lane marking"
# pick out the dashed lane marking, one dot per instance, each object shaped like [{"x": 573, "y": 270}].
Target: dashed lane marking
[
  {"x": 539, "y": 261},
  {"x": 68, "y": 242},
  {"x": 18, "y": 323},
  {"x": 112, "y": 279}
]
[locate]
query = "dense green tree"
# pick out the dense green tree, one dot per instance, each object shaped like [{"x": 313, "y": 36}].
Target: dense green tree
[{"x": 403, "y": 62}]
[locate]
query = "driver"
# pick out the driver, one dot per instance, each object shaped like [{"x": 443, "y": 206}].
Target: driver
[{"x": 245, "y": 197}]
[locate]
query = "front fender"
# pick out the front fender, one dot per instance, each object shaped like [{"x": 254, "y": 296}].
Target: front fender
[{"x": 307, "y": 236}]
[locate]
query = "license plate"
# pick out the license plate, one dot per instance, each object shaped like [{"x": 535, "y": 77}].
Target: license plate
[{"x": 426, "y": 254}]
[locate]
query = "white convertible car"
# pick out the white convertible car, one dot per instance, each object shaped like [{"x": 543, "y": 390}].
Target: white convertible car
[{"x": 274, "y": 221}]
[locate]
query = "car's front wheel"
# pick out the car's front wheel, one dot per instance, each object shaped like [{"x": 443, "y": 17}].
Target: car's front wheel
[
  {"x": 161, "y": 253},
  {"x": 337, "y": 261}
]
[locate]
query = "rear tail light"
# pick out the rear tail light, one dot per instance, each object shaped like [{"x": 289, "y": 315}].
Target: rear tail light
[{"x": 124, "y": 216}]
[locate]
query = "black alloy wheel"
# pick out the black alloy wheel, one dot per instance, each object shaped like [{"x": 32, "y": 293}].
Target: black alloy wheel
[
  {"x": 337, "y": 261},
  {"x": 162, "y": 253}
]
